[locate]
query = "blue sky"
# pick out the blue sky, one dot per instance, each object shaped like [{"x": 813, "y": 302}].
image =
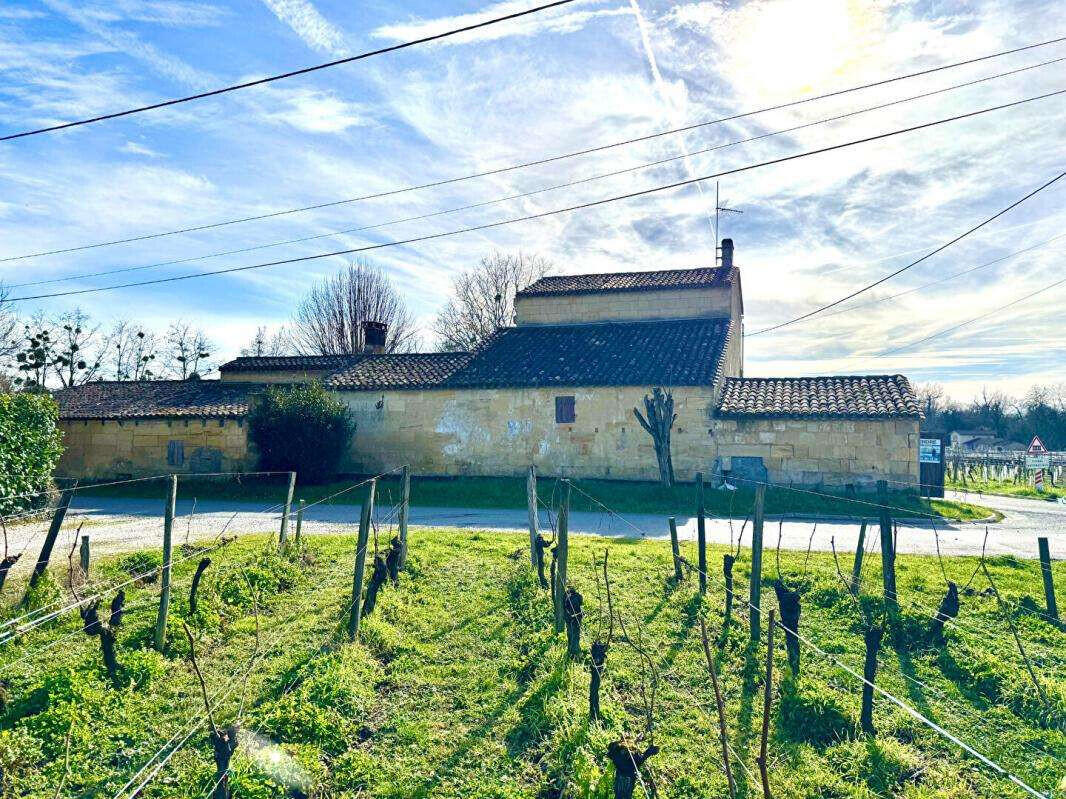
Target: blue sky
[{"x": 563, "y": 80}]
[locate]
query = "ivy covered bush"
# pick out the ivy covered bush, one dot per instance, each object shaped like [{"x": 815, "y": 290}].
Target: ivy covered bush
[
  {"x": 30, "y": 446},
  {"x": 302, "y": 429}
]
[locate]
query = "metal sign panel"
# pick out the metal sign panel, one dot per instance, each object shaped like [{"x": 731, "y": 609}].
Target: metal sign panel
[
  {"x": 1037, "y": 447},
  {"x": 1037, "y": 461},
  {"x": 929, "y": 450}
]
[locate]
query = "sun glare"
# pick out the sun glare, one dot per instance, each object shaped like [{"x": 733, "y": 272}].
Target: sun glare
[{"x": 793, "y": 47}]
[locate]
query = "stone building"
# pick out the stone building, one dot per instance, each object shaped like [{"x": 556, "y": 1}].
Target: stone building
[{"x": 558, "y": 390}]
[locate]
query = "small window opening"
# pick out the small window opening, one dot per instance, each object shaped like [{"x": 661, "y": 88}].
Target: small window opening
[{"x": 564, "y": 410}]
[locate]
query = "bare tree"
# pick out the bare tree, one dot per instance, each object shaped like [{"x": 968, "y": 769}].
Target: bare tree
[
  {"x": 77, "y": 348},
  {"x": 130, "y": 352},
  {"x": 187, "y": 351},
  {"x": 330, "y": 319},
  {"x": 263, "y": 343},
  {"x": 483, "y": 299},
  {"x": 9, "y": 324}
]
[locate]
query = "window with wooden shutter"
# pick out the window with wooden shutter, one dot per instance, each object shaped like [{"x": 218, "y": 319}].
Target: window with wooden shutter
[
  {"x": 175, "y": 453},
  {"x": 564, "y": 410}
]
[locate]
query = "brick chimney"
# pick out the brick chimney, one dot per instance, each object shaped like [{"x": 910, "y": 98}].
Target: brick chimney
[
  {"x": 727, "y": 253},
  {"x": 374, "y": 337}
]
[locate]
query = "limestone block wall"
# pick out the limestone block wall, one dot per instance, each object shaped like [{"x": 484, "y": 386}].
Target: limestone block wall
[
  {"x": 106, "y": 448},
  {"x": 826, "y": 452},
  {"x": 503, "y": 431},
  {"x": 626, "y": 305}
]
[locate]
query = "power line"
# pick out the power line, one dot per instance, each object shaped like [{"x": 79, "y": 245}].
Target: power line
[
  {"x": 543, "y": 189},
  {"x": 903, "y": 269},
  {"x": 544, "y": 214},
  {"x": 303, "y": 71},
  {"x": 528, "y": 164},
  {"x": 994, "y": 311}
]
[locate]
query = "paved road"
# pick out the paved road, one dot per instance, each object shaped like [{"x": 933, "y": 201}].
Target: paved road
[{"x": 122, "y": 524}]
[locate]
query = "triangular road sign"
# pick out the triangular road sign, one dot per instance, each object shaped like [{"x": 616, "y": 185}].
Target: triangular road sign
[{"x": 1037, "y": 447}]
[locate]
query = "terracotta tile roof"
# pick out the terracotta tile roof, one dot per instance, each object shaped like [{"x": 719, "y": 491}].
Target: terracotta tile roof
[
  {"x": 153, "y": 399},
  {"x": 398, "y": 371},
  {"x": 684, "y": 352},
  {"x": 284, "y": 363},
  {"x": 861, "y": 397},
  {"x": 630, "y": 281}
]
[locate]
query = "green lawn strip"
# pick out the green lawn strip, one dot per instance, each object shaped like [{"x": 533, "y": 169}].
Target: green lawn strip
[
  {"x": 1008, "y": 488},
  {"x": 510, "y": 492},
  {"x": 460, "y": 688}
]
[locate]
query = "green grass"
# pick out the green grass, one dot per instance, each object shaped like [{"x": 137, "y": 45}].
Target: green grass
[
  {"x": 510, "y": 492},
  {"x": 1009, "y": 488},
  {"x": 460, "y": 688}
]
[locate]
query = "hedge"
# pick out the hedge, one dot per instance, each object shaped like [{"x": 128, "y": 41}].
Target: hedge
[
  {"x": 302, "y": 429},
  {"x": 30, "y": 446}
]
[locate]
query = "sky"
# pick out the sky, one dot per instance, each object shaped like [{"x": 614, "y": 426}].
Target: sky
[{"x": 589, "y": 73}]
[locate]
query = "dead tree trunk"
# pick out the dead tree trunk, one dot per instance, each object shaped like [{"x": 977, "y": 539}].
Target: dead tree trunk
[
  {"x": 658, "y": 419},
  {"x": 727, "y": 571},
  {"x": 869, "y": 673},
  {"x": 597, "y": 665},
  {"x": 377, "y": 579},
  {"x": 572, "y": 605},
  {"x": 90, "y": 615},
  {"x": 224, "y": 744},
  {"x": 540, "y": 543},
  {"x": 200, "y": 567},
  {"x": 949, "y": 609},
  {"x": 789, "y": 603},
  {"x": 627, "y": 762}
]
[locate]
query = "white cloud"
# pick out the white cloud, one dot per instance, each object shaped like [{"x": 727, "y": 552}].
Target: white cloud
[
  {"x": 552, "y": 21},
  {"x": 174, "y": 13},
  {"x": 133, "y": 148},
  {"x": 313, "y": 111},
  {"x": 307, "y": 23}
]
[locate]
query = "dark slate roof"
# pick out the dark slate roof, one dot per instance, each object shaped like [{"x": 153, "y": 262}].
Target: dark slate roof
[
  {"x": 630, "y": 281},
  {"x": 285, "y": 363},
  {"x": 398, "y": 371},
  {"x": 683, "y": 352},
  {"x": 860, "y": 397},
  {"x": 153, "y": 399}
]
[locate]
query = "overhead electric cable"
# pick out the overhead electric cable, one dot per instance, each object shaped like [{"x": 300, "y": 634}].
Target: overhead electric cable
[
  {"x": 291, "y": 74},
  {"x": 543, "y": 214},
  {"x": 902, "y": 269},
  {"x": 520, "y": 195},
  {"x": 994, "y": 311},
  {"x": 533, "y": 163}
]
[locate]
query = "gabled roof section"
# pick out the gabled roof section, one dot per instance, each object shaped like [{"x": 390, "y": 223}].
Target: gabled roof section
[
  {"x": 684, "y": 352},
  {"x": 398, "y": 371},
  {"x": 703, "y": 277},
  {"x": 286, "y": 363},
  {"x": 155, "y": 399},
  {"x": 858, "y": 397}
]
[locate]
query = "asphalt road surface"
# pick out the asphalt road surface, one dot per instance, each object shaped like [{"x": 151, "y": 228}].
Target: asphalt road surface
[{"x": 116, "y": 524}]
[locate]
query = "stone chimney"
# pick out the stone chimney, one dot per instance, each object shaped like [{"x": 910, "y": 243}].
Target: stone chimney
[
  {"x": 727, "y": 253},
  {"x": 374, "y": 337}
]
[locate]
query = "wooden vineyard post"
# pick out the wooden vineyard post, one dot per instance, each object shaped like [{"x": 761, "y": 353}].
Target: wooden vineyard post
[
  {"x": 755, "y": 593},
  {"x": 283, "y": 536},
  {"x": 168, "y": 556},
  {"x": 84, "y": 555},
  {"x": 856, "y": 569},
  {"x": 49, "y": 542},
  {"x": 1049, "y": 584},
  {"x": 531, "y": 503},
  {"x": 888, "y": 548},
  {"x": 767, "y": 700},
  {"x": 401, "y": 519},
  {"x": 299, "y": 522},
  {"x": 701, "y": 533},
  {"x": 360, "y": 562},
  {"x": 561, "y": 550},
  {"x": 675, "y": 548}
]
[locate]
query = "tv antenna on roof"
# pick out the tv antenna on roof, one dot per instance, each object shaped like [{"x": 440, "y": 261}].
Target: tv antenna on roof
[{"x": 718, "y": 207}]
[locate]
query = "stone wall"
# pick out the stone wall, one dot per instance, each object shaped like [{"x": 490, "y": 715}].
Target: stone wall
[
  {"x": 627, "y": 305},
  {"x": 106, "y": 448},
  {"x": 503, "y": 431},
  {"x": 825, "y": 452}
]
